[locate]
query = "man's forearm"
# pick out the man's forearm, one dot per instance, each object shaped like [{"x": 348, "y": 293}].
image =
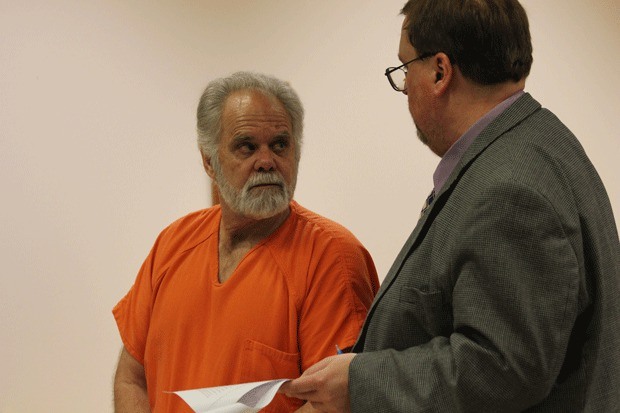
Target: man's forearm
[
  {"x": 130, "y": 398},
  {"x": 130, "y": 395}
]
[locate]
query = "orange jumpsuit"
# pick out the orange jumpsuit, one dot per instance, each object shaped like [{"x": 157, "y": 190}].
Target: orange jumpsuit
[{"x": 296, "y": 295}]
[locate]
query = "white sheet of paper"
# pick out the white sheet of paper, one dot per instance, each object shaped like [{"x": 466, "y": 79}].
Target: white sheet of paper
[{"x": 236, "y": 398}]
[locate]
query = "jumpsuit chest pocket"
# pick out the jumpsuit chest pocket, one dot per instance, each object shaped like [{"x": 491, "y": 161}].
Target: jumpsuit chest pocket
[{"x": 262, "y": 362}]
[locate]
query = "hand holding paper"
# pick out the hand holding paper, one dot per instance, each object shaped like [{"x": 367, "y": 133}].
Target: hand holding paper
[{"x": 325, "y": 385}]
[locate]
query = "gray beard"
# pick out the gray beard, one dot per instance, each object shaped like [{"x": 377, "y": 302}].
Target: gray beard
[{"x": 266, "y": 203}]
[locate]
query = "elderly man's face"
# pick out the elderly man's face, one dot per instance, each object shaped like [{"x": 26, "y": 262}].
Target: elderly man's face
[{"x": 256, "y": 169}]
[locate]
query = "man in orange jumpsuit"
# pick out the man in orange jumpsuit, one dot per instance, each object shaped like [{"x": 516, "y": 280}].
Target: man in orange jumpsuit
[{"x": 253, "y": 289}]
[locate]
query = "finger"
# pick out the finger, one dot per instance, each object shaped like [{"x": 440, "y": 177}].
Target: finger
[
  {"x": 300, "y": 388},
  {"x": 318, "y": 406},
  {"x": 307, "y": 382},
  {"x": 318, "y": 366},
  {"x": 284, "y": 387}
]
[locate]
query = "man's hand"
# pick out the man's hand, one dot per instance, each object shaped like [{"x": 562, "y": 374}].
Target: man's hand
[
  {"x": 325, "y": 385},
  {"x": 307, "y": 408}
]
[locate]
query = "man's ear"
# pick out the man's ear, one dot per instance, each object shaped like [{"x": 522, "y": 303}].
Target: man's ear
[
  {"x": 444, "y": 71},
  {"x": 206, "y": 162}
]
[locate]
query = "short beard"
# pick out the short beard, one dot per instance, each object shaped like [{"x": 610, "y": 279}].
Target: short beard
[
  {"x": 266, "y": 204},
  {"x": 423, "y": 138}
]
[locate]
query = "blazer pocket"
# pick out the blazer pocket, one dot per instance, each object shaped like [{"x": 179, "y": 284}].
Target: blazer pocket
[{"x": 429, "y": 310}]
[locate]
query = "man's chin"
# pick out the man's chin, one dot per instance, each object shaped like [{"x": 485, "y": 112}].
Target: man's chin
[
  {"x": 264, "y": 202},
  {"x": 423, "y": 138},
  {"x": 267, "y": 213}
]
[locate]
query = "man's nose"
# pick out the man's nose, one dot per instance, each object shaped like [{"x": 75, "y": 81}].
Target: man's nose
[{"x": 264, "y": 160}]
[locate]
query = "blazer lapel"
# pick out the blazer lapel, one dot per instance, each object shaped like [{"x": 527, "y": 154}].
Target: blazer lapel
[{"x": 515, "y": 114}]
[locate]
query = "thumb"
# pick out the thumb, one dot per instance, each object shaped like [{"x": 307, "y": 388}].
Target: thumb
[
  {"x": 307, "y": 382},
  {"x": 318, "y": 366}
]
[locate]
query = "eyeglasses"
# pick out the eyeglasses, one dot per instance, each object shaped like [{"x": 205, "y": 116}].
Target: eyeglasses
[{"x": 396, "y": 75}]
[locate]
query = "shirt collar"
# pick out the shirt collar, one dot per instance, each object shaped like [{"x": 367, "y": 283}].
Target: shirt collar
[{"x": 452, "y": 157}]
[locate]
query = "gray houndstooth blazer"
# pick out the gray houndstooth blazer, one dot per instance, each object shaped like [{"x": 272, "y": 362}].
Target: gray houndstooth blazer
[{"x": 506, "y": 296}]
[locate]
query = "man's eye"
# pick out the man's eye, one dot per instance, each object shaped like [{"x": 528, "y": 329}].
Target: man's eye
[
  {"x": 280, "y": 146},
  {"x": 246, "y": 147}
]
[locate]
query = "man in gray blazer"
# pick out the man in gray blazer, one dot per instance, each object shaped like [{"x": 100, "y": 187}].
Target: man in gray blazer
[{"x": 506, "y": 296}]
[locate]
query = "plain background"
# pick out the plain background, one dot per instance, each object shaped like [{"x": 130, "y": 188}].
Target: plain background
[{"x": 98, "y": 153}]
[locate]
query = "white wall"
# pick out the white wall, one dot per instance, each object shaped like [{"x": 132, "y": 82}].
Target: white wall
[{"x": 97, "y": 147}]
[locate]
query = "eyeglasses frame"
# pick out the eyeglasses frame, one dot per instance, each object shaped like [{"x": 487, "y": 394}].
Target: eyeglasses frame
[{"x": 403, "y": 67}]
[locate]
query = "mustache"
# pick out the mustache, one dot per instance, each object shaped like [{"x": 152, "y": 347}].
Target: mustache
[{"x": 265, "y": 178}]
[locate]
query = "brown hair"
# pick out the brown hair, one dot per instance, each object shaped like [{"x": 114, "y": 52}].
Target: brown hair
[{"x": 489, "y": 40}]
